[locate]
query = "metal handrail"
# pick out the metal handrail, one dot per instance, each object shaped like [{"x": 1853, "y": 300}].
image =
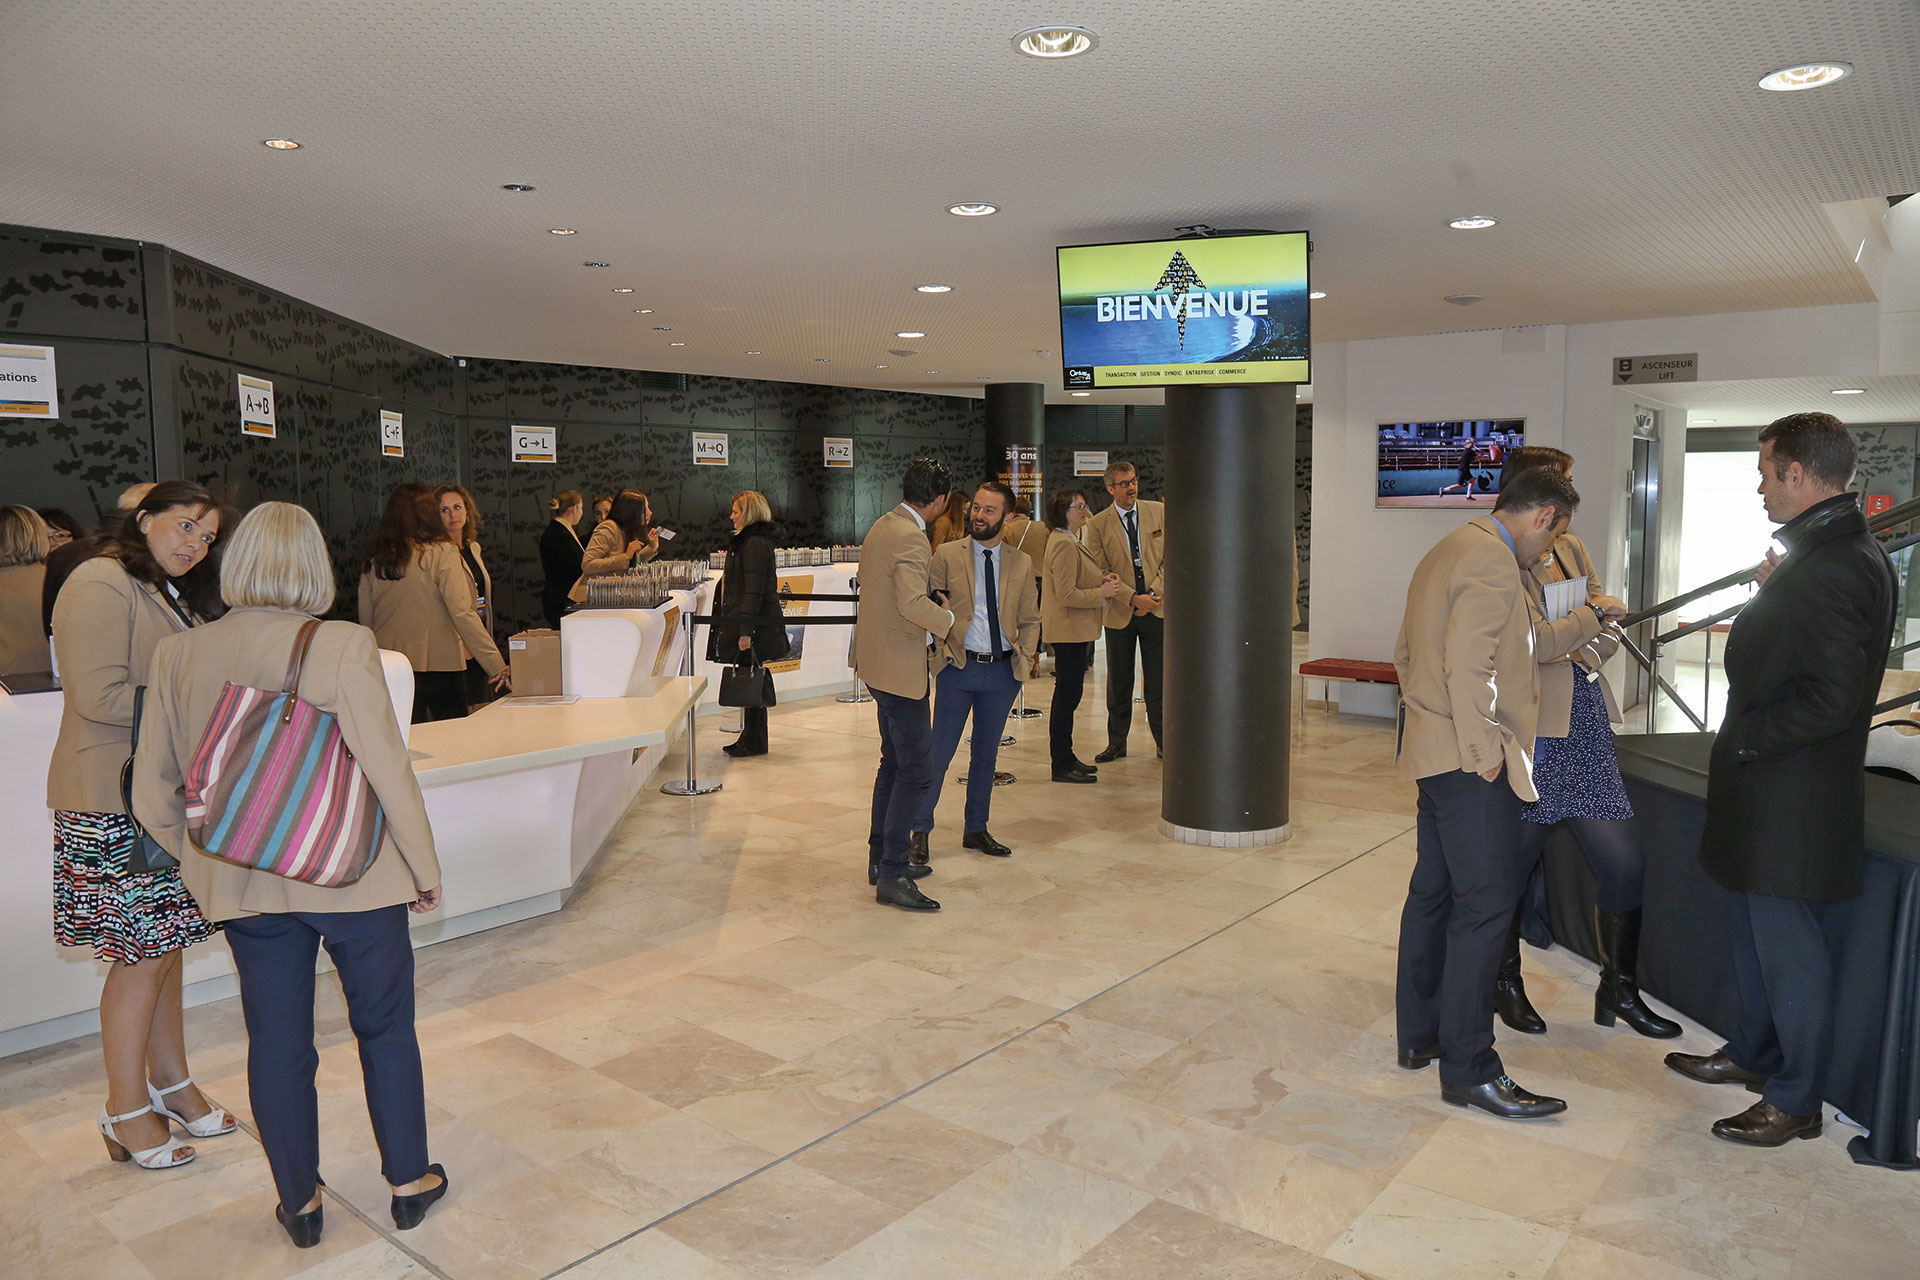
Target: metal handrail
[{"x": 1886, "y": 520}]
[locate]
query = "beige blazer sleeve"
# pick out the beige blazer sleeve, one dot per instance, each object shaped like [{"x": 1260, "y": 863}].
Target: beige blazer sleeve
[
  {"x": 1482, "y": 601},
  {"x": 1063, "y": 574},
  {"x": 365, "y": 715},
  {"x": 455, "y": 589},
  {"x": 96, "y": 654},
  {"x": 910, "y": 571},
  {"x": 1027, "y": 627}
]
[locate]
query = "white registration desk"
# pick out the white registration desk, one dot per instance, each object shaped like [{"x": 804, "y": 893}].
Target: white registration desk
[{"x": 521, "y": 798}]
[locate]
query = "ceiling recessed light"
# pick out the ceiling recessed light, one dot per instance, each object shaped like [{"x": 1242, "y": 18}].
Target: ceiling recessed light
[
  {"x": 933, "y": 288},
  {"x": 1849, "y": 391},
  {"x": 1079, "y": 393},
  {"x": 1473, "y": 222},
  {"x": 753, "y": 353},
  {"x": 909, "y": 333},
  {"x": 1463, "y": 299},
  {"x": 883, "y": 366},
  {"x": 562, "y": 231},
  {"x": 663, "y": 328},
  {"x": 280, "y": 144},
  {"x": 1315, "y": 296},
  {"x": 972, "y": 209},
  {"x": 823, "y": 359},
  {"x": 622, "y": 290},
  {"x": 1055, "y": 41},
  {"x": 933, "y": 371},
  {"x": 644, "y": 311},
  {"x": 596, "y": 264},
  {"x": 676, "y": 344},
  {"x": 983, "y": 378},
  {"x": 515, "y": 187},
  {"x": 1805, "y": 75}
]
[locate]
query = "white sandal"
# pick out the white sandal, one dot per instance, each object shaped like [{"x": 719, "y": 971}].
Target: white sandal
[
  {"x": 216, "y": 1123},
  {"x": 160, "y": 1157}
]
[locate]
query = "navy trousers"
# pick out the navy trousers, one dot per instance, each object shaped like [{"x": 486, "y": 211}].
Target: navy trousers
[
  {"x": 275, "y": 956},
  {"x": 1783, "y": 967},
  {"x": 986, "y": 691},
  {"x": 1469, "y": 871},
  {"x": 1070, "y": 663},
  {"x": 900, "y": 782}
]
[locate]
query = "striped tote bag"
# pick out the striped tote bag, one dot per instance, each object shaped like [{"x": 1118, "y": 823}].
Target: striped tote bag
[{"x": 273, "y": 787}]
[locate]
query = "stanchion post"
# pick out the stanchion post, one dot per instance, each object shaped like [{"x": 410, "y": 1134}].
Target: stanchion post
[
  {"x": 1022, "y": 711},
  {"x": 859, "y": 693},
  {"x": 693, "y": 786}
]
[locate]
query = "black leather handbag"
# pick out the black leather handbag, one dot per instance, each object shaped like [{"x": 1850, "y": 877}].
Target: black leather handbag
[
  {"x": 750, "y": 686},
  {"x": 147, "y": 855}
]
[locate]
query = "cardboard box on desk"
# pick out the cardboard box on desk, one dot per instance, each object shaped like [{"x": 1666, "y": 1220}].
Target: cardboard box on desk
[{"x": 534, "y": 657}]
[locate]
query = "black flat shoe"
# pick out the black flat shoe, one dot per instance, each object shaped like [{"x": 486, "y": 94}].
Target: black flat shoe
[
  {"x": 1111, "y": 754},
  {"x": 1714, "y": 1068},
  {"x": 733, "y": 749},
  {"x": 985, "y": 843},
  {"x": 1084, "y": 767},
  {"x": 1501, "y": 1097},
  {"x": 1419, "y": 1059},
  {"x": 917, "y": 852},
  {"x": 1765, "y": 1125},
  {"x": 912, "y": 872},
  {"x": 409, "y": 1210},
  {"x": 302, "y": 1228},
  {"x": 1073, "y": 775},
  {"x": 905, "y": 894}
]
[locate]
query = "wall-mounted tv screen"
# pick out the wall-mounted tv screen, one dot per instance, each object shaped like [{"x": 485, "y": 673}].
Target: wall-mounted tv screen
[
  {"x": 1445, "y": 464},
  {"x": 1208, "y": 311}
]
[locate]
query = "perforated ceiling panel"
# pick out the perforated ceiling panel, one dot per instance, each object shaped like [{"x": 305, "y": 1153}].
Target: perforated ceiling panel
[
  {"x": 1758, "y": 402},
  {"x": 774, "y": 177}
]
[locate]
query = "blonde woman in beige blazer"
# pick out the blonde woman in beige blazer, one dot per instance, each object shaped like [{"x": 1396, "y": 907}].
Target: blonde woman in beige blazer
[
  {"x": 417, "y": 597},
  {"x": 1578, "y": 779},
  {"x": 1074, "y": 592},
  {"x": 624, "y": 539},
  {"x": 23, "y": 574},
  {"x": 152, "y": 580},
  {"x": 277, "y": 576}
]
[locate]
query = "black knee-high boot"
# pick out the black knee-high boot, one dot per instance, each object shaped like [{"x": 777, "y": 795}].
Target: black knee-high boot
[
  {"x": 1510, "y": 991},
  {"x": 1617, "y": 936}
]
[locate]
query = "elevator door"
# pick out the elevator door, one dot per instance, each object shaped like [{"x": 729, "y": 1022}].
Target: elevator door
[{"x": 1643, "y": 538}]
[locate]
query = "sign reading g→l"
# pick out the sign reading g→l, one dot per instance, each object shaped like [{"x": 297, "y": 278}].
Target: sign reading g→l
[
  {"x": 534, "y": 444},
  {"x": 710, "y": 448}
]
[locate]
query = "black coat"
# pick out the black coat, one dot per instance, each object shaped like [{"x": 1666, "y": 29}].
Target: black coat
[
  {"x": 749, "y": 587},
  {"x": 1786, "y": 786},
  {"x": 560, "y": 556}
]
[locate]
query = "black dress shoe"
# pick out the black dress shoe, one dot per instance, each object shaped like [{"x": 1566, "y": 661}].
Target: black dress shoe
[
  {"x": 1765, "y": 1125},
  {"x": 1714, "y": 1068},
  {"x": 1073, "y": 775},
  {"x": 1418, "y": 1059},
  {"x": 1084, "y": 767},
  {"x": 409, "y": 1210},
  {"x": 917, "y": 853},
  {"x": 302, "y": 1228},
  {"x": 905, "y": 894},
  {"x": 1110, "y": 754},
  {"x": 912, "y": 872},
  {"x": 985, "y": 843},
  {"x": 1501, "y": 1097}
]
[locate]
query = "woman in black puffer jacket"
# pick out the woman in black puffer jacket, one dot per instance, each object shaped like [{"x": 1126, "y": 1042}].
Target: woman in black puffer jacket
[{"x": 749, "y": 588}]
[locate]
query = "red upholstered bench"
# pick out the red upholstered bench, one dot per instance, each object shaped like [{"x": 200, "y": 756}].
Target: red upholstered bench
[{"x": 1349, "y": 669}]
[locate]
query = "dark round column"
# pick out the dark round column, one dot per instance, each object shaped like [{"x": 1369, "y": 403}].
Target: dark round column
[
  {"x": 1016, "y": 430},
  {"x": 1229, "y": 632}
]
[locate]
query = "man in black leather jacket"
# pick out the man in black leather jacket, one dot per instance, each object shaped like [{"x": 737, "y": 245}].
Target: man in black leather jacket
[{"x": 1786, "y": 790}]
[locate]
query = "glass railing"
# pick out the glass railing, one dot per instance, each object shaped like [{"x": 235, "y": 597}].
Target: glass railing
[{"x": 1684, "y": 663}]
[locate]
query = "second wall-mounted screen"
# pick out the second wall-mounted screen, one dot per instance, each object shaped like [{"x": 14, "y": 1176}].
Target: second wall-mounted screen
[{"x": 1445, "y": 464}]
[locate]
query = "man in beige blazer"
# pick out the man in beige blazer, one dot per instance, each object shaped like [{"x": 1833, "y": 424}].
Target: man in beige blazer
[
  {"x": 1129, "y": 539},
  {"x": 982, "y": 660},
  {"x": 896, "y": 621},
  {"x": 1469, "y": 686}
]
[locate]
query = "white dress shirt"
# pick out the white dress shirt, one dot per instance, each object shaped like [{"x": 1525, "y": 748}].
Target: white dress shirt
[{"x": 979, "y": 634}]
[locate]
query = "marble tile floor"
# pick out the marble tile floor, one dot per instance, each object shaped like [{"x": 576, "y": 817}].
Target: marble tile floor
[{"x": 1109, "y": 1057}]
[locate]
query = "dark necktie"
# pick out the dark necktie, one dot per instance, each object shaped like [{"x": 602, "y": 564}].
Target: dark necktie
[
  {"x": 1133, "y": 543},
  {"x": 993, "y": 606}
]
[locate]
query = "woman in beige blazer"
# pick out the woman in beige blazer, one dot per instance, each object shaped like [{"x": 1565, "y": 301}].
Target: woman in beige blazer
[
  {"x": 23, "y": 573},
  {"x": 461, "y": 520},
  {"x": 1073, "y": 594},
  {"x": 624, "y": 539},
  {"x": 153, "y": 579},
  {"x": 277, "y": 577},
  {"x": 1578, "y": 780},
  {"x": 416, "y": 596}
]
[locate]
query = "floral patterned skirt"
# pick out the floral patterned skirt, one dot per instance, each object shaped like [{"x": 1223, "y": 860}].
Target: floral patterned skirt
[{"x": 97, "y": 902}]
